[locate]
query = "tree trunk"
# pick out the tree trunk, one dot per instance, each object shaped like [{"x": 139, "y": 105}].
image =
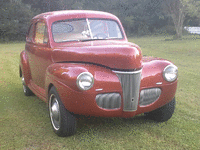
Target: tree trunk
[
  {"x": 178, "y": 22},
  {"x": 176, "y": 9}
]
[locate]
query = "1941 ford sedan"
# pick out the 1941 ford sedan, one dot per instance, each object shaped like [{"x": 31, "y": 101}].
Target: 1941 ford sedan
[{"x": 80, "y": 62}]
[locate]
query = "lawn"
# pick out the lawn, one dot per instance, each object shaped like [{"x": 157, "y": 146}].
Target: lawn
[{"x": 24, "y": 121}]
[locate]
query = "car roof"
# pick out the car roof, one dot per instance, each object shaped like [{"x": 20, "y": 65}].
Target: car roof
[{"x": 71, "y": 14}]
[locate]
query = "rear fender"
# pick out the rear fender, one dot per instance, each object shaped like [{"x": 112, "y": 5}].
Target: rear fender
[{"x": 24, "y": 67}]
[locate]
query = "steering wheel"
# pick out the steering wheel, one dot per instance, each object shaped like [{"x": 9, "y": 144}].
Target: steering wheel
[{"x": 100, "y": 36}]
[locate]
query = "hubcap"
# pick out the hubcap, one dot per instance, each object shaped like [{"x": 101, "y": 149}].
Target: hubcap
[
  {"x": 24, "y": 88},
  {"x": 54, "y": 112},
  {"x": 23, "y": 83}
]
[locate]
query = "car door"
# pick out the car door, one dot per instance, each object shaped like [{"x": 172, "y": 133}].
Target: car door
[{"x": 39, "y": 53}]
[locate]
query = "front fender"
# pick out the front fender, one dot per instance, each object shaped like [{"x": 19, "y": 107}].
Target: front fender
[
  {"x": 152, "y": 73},
  {"x": 152, "y": 77},
  {"x": 64, "y": 73},
  {"x": 63, "y": 76}
]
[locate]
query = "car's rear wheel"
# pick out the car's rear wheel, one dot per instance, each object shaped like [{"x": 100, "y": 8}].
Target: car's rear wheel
[
  {"x": 26, "y": 90},
  {"x": 63, "y": 122},
  {"x": 163, "y": 113}
]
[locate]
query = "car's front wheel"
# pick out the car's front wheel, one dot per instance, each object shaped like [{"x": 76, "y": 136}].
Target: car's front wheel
[
  {"x": 163, "y": 113},
  {"x": 63, "y": 122}
]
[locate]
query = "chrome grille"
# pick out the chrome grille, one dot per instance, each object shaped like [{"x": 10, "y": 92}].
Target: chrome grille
[
  {"x": 130, "y": 82},
  {"x": 109, "y": 100},
  {"x": 148, "y": 96}
]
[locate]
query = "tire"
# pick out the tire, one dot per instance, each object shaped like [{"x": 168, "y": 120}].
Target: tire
[
  {"x": 26, "y": 90},
  {"x": 163, "y": 113},
  {"x": 62, "y": 121}
]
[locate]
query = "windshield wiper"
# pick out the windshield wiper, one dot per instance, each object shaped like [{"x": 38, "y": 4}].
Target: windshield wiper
[
  {"x": 112, "y": 38},
  {"x": 91, "y": 40},
  {"x": 73, "y": 40},
  {"x": 84, "y": 40}
]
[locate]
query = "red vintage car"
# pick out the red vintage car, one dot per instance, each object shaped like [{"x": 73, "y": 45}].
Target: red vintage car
[{"x": 80, "y": 62}]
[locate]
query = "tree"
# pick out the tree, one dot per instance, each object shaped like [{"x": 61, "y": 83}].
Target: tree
[
  {"x": 178, "y": 9},
  {"x": 139, "y": 17},
  {"x": 15, "y": 17}
]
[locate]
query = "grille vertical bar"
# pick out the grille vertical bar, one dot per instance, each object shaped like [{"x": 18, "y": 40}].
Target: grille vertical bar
[{"x": 130, "y": 82}]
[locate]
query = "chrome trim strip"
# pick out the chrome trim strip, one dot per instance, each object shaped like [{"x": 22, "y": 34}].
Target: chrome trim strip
[
  {"x": 98, "y": 89},
  {"x": 127, "y": 72},
  {"x": 159, "y": 83}
]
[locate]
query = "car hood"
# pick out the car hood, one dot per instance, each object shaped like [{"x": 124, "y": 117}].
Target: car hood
[{"x": 118, "y": 55}]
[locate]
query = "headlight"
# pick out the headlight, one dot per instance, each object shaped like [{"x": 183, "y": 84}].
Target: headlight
[
  {"x": 170, "y": 73},
  {"x": 85, "y": 81}
]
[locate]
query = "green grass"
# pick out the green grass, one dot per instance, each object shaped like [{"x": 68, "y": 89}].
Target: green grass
[{"x": 24, "y": 121}]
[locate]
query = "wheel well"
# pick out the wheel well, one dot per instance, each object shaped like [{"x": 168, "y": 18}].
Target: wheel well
[{"x": 50, "y": 86}]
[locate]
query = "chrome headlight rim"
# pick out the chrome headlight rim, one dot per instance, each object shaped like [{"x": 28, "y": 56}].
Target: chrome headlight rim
[
  {"x": 87, "y": 77},
  {"x": 174, "y": 72}
]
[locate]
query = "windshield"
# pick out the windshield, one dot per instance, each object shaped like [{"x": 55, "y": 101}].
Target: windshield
[{"x": 85, "y": 29}]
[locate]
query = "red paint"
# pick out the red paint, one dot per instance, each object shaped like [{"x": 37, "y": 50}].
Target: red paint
[{"x": 107, "y": 53}]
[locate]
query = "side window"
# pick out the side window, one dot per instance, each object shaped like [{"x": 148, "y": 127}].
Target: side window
[
  {"x": 41, "y": 35},
  {"x": 30, "y": 33}
]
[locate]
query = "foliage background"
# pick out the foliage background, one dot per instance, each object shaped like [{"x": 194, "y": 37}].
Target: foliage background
[{"x": 139, "y": 17}]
